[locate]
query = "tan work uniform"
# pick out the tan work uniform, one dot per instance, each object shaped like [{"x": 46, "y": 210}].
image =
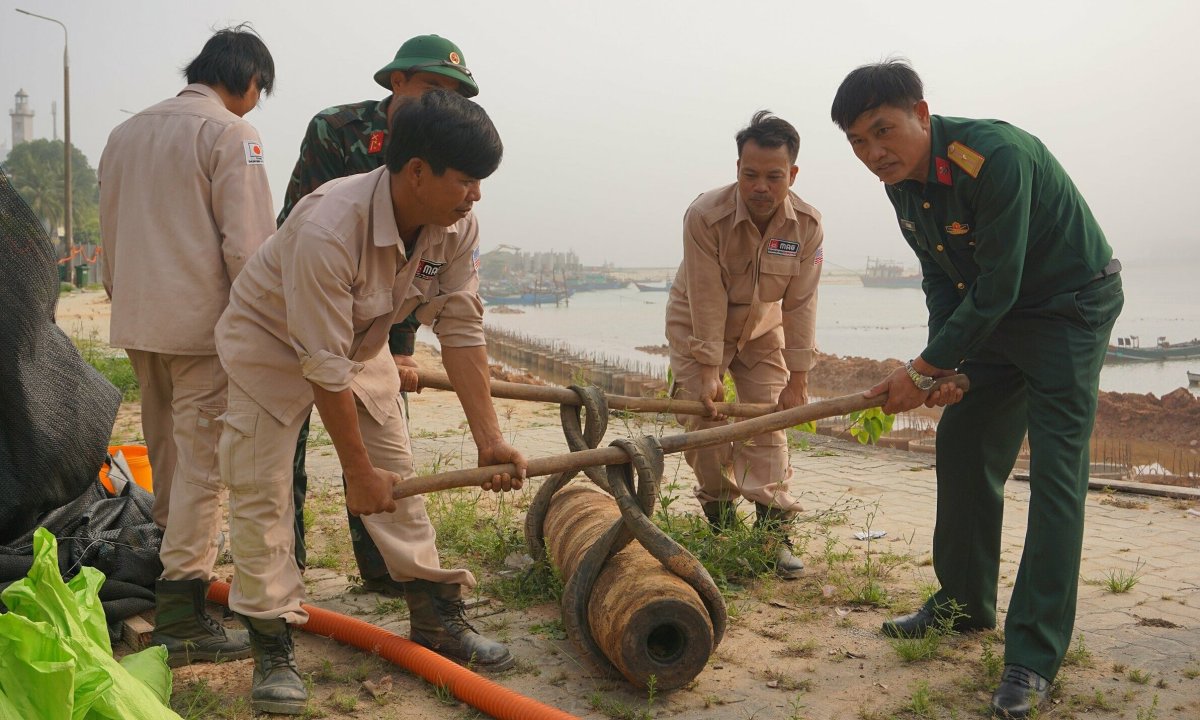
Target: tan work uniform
[
  {"x": 184, "y": 202},
  {"x": 315, "y": 306},
  {"x": 746, "y": 303}
]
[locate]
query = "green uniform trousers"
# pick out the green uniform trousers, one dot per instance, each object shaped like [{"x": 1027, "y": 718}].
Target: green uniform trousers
[{"x": 1039, "y": 371}]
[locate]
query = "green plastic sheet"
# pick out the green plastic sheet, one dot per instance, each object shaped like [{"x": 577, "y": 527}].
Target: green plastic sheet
[{"x": 56, "y": 661}]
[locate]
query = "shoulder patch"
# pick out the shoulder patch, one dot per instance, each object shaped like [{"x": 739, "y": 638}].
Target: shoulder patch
[
  {"x": 254, "y": 152},
  {"x": 970, "y": 161}
]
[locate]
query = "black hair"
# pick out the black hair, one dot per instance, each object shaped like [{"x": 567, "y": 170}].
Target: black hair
[
  {"x": 891, "y": 82},
  {"x": 770, "y": 131},
  {"x": 445, "y": 130},
  {"x": 233, "y": 57}
]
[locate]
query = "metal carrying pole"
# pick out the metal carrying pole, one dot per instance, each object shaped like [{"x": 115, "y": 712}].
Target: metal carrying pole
[
  {"x": 564, "y": 396},
  {"x": 741, "y": 430}
]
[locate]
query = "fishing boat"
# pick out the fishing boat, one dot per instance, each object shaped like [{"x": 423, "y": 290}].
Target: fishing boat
[
  {"x": 663, "y": 286},
  {"x": 1129, "y": 349},
  {"x": 886, "y": 274},
  {"x": 528, "y": 297},
  {"x": 1193, "y": 378}
]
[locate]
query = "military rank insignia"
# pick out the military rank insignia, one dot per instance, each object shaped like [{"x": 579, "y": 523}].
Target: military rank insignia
[
  {"x": 943, "y": 171},
  {"x": 375, "y": 144},
  {"x": 957, "y": 228},
  {"x": 970, "y": 161}
]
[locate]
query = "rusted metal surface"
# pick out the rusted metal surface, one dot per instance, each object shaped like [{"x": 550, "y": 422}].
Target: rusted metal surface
[{"x": 646, "y": 620}]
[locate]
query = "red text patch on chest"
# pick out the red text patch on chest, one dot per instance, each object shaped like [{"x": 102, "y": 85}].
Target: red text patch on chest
[
  {"x": 427, "y": 269},
  {"x": 783, "y": 248},
  {"x": 376, "y": 143}
]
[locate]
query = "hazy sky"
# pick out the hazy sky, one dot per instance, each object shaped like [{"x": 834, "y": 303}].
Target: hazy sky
[{"x": 616, "y": 114}]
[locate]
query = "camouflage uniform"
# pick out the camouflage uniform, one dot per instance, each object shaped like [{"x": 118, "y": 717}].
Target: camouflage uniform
[{"x": 342, "y": 140}]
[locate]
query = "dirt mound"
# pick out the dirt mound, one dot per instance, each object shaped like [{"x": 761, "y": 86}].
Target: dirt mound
[
  {"x": 848, "y": 374},
  {"x": 1175, "y": 418},
  {"x": 498, "y": 372}
]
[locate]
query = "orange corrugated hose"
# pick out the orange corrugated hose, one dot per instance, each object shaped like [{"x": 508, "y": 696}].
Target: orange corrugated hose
[{"x": 481, "y": 694}]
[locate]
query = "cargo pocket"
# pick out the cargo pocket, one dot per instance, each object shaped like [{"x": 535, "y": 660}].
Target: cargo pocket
[
  {"x": 237, "y": 453},
  {"x": 205, "y": 437}
]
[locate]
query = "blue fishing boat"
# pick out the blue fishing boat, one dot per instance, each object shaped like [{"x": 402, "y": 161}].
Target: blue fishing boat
[
  {"x": 528, "y": 298},
  {"x": 1129, "y": 349}
]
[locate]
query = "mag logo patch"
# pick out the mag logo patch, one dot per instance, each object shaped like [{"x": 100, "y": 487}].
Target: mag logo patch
[
  {"x": 783, "y": 248},
  {"x": 428, "y": 269}
]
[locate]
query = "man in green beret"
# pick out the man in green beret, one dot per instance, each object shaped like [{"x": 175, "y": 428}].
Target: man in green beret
[
  {"x": 1022, "y": 291},
  {"x": 347, "y": 140}
]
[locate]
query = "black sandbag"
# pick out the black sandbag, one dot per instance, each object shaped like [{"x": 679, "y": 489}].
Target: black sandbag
[{"x": 56, "y": 411}]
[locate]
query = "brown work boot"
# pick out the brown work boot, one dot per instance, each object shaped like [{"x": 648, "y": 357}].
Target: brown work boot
[
  {"x": 186, "y": 629},
  {"x": 438, "y": 621},
  {"x": 277, "y": 686},
  {"x": 778, "y": 523},
  {"x": 720, "y": 514}
]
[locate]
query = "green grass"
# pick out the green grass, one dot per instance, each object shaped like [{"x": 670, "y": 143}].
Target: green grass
[
  {"x": 1122, "y": 581},
  {"x": 482, "y": 542},
  {"x": 929, "y": 645},
  {"x": 196, "y": 700},
  {"x": 112, "y": 364},
  {"x": 921, "y": 702}
]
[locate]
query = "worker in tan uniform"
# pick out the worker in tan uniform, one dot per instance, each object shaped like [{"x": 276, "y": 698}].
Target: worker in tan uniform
[
  {"x": 184, "y": 203},
  {"x": 308, "y": 324},
  {"x": 744, "y": 301}
]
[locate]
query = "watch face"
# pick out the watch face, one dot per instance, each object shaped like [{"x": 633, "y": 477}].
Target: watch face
[{"x": 926, "y": 383}]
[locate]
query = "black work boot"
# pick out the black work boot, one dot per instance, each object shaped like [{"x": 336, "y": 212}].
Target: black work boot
[
  {"x": 721, "y": 515},
  {"x": 1020, "y": 693},
  {"x": 438, "y": 621},
  {"x": 277, "y": 687},
  {"x": 190, "y": 634},
  {"x": 777, "y": 522}
]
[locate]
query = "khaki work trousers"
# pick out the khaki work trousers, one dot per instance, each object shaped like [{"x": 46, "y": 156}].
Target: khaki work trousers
[
  {"x": 756, "y": 469},
  {"x": 183, "y": 397},
  {"x": 256, "y": 453}
]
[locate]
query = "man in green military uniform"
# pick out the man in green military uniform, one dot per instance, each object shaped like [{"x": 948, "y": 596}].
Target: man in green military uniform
[
  {"x": 348, "y": 140},
  {"x": 1022, "y": 291}
]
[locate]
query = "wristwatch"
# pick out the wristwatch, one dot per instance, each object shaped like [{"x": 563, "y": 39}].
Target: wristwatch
[{"x": 923, "y": 382}]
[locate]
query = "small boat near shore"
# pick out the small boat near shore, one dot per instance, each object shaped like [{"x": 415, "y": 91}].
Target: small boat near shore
[
  {"x": 663, "y": 286},
  {"x": 528, "y": 298},
  {"x": 885, "y": 274},
  {"x": 1129, "y": 349},
  {"x": 1193, "y": 378}
]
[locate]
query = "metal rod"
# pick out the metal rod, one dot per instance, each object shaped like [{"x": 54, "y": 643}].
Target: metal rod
[{"x": 741, "y": 430}]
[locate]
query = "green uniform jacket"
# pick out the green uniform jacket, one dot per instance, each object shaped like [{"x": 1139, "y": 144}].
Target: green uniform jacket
[
  {"x": 345, "y": 140},
  {"x": 997, "y": 226}
]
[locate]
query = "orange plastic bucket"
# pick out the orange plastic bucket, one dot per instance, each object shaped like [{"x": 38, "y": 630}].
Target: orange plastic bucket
[{"x": 138, "y": 459}]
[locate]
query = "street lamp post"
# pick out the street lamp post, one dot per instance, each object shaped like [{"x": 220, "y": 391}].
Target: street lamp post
[{"x": 69, "y": 219}]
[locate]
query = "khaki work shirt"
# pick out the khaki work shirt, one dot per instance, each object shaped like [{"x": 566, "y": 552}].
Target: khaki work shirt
[
  {"x": 184, "y": 202},
  {"x": 316, "y": 302},
  {"x": 739, "y": 292}
]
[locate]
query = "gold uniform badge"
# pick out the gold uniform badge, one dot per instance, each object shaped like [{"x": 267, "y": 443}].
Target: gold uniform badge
[{"x": 970, "y": 161}]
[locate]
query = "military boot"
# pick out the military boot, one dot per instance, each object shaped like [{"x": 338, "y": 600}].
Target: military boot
[
  {"x": 777, "y": 522},
  {"x": 438, "y": 621},
  {"x": 721, "y": 515},
  {"x": 190, "y": 634},
  {"x": 277, "y": 687}
]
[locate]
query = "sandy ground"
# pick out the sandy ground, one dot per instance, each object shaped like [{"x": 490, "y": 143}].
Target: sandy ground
[{"x": 794, "y": 650}]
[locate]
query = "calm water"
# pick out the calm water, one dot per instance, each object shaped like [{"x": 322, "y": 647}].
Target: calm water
[{"x": 1160, "y": 299}]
